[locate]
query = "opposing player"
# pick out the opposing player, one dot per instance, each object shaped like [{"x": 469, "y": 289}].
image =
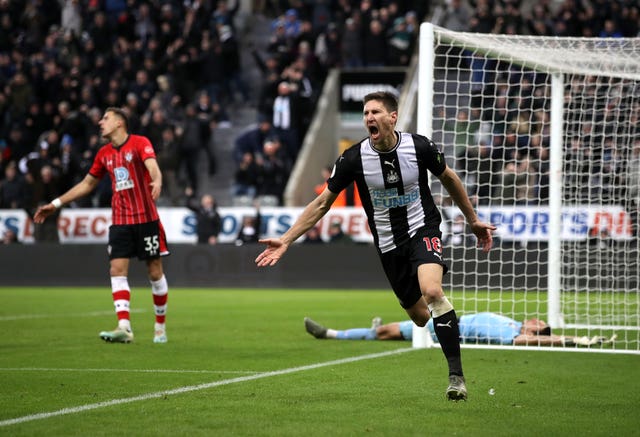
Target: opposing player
[
  {"x": 390, "y": 169},
  {"x": 136, "y": 229},
  {"x": 486, "y": 327}
]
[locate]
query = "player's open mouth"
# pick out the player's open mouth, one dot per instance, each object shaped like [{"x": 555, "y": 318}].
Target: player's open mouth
[{"x": 373, "y": 130}]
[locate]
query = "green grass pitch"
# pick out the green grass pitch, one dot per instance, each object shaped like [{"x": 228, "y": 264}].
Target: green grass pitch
[{"x": 239, "y": 363}]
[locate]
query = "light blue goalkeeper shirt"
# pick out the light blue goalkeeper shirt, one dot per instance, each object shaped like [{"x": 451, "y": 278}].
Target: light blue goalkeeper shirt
[{"x": 476, "y": 328}]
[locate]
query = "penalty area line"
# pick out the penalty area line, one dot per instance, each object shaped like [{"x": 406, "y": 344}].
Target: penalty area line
[{"x": 198, "y": 387}]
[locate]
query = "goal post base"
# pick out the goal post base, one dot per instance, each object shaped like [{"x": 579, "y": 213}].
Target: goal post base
[{"x": 421, "y": 338}]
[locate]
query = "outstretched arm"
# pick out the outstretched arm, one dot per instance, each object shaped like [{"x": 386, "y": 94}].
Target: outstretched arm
[
  {"x": 82, "y": 188},
  {"x": 276, "y": 247},
  {"x": 561, "y": 340},
  {"x": 456, "y": 190}
]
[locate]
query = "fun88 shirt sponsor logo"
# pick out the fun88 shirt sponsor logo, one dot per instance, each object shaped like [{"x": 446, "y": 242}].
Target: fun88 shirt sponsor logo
[
  {"x": 389, "y": 198},
  {"x": 122, "y": 179}
]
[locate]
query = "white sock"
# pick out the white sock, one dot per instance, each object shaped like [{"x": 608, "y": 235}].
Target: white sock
[{"x": 124, "y": 324}]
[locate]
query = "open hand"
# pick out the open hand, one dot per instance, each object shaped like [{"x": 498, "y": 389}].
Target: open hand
[
  {"x": 43, "y": 212},
  {"x": 272, "y": 254},
  {"x": 484, "y": 234}
]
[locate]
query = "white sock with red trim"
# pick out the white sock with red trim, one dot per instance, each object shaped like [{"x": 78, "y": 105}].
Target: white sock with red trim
[
  {"x": 160, "y": 290},
  {"x": 121, "y": 298}
]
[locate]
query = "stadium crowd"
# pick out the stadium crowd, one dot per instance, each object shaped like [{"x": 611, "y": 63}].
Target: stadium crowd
[
  {"x": 175, "y": 67},
  {"x": 501, "y": 144}
]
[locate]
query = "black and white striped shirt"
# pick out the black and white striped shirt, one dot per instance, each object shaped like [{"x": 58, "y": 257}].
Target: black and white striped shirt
[{"x": 393, "y": 186}]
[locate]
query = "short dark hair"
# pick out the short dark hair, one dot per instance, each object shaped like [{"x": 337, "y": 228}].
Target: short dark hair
[
  {"x": 389, "y": 100},
  {"x": 120, "y": 113},
  {"x": 545, "y": 331}
]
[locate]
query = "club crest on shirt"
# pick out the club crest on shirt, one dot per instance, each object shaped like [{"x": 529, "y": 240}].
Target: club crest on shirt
[
  {"x": 392, "y": 177},
  {"x": 128, "y": 156}
]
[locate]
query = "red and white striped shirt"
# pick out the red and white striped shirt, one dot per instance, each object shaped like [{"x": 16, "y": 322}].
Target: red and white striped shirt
[{"x": 131, "y": 203}]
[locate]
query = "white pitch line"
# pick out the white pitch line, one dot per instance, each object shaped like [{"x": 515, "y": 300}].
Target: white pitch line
[
  {"x": 65, "y": 315},
  {"x": 192, "y": 388},
  {"x": 56, "y": 369}
]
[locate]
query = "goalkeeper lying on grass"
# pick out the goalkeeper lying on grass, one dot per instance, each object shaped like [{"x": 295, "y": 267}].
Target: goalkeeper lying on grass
[{"x": 486, "y": 327}]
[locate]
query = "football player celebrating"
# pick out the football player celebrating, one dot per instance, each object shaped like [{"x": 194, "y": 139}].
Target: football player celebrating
[{"x": 391, "y": 171}]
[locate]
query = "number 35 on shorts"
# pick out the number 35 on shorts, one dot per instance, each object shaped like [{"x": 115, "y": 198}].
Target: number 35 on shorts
[{"x": 151, "y": 244}]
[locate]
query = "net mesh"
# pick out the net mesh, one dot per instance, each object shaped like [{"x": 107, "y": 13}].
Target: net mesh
[{"x": 492, "y": 113}]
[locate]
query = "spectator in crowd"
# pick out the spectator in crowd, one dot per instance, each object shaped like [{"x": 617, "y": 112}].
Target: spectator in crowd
[
  {"x": 154, "y": 120},
  {"x": 168, "y": 157},
  {"x": 169, "y": 101},
  {"x": 337, "y": 235},
  {"x": 328, "y": 49},
  {"x": 143, "y": 88},
  {"x": 193, "y": 137},
  {"x": 36, "y": 122},
  {"x": 223, "y": 15},
  {"x": 246, "y": 176},
  {"x": 249, "y": 232},
  {"x": 219, "y": 118},
  {"x": 347, "y": 197},
  {"x": 375, "y": 45},
  {"x": 312, "y": 236},
  {"x": 17, "y": 146},
  {"x": 301, "y": 85},
  {"x": 13, "y": 188},
  {"x": 252, "y": 139},
  {"x": 44, "y": 185},
  {"x": 325, "y": 174},
  {"x": 463, "y": 130},
  {"x": 304, "y": 53},
  {"x": 210, "y": 66},
  {"x": 539, "y": 20},
  {"x": 292, "y": 24},
  {"x": 69, "y": 164},
  {"x": 267, "y": 94},
  {"x": 280, "y": 46},
  {"x": 517, "y": 182},
  {"x": 209, "y": 221},
  {"x": 288, "y": 110},
  {"x": 273, "y": 170},
  {"x": 352, "y": 44},
  {"x": 457, "y": 235},
  {"x": 610, "y": 30},
  {"x": 232, "y": 70},
  {"x": 400, "y": 44},
  {"x": 209, "y": 114},
  {"x": 413, "y": 23},
  {"x": 9, "y": 237}
]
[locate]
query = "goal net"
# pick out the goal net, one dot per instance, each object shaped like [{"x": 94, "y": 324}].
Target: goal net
[{"x": 545, "y": 134}]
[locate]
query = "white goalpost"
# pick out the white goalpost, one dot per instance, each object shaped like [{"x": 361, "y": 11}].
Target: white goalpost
[{"x": 545, "y": 133}]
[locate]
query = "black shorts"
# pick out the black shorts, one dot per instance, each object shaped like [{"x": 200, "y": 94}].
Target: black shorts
[
  {"x": 401, "y": 264},
  {"x": 145, "y": 241}
]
